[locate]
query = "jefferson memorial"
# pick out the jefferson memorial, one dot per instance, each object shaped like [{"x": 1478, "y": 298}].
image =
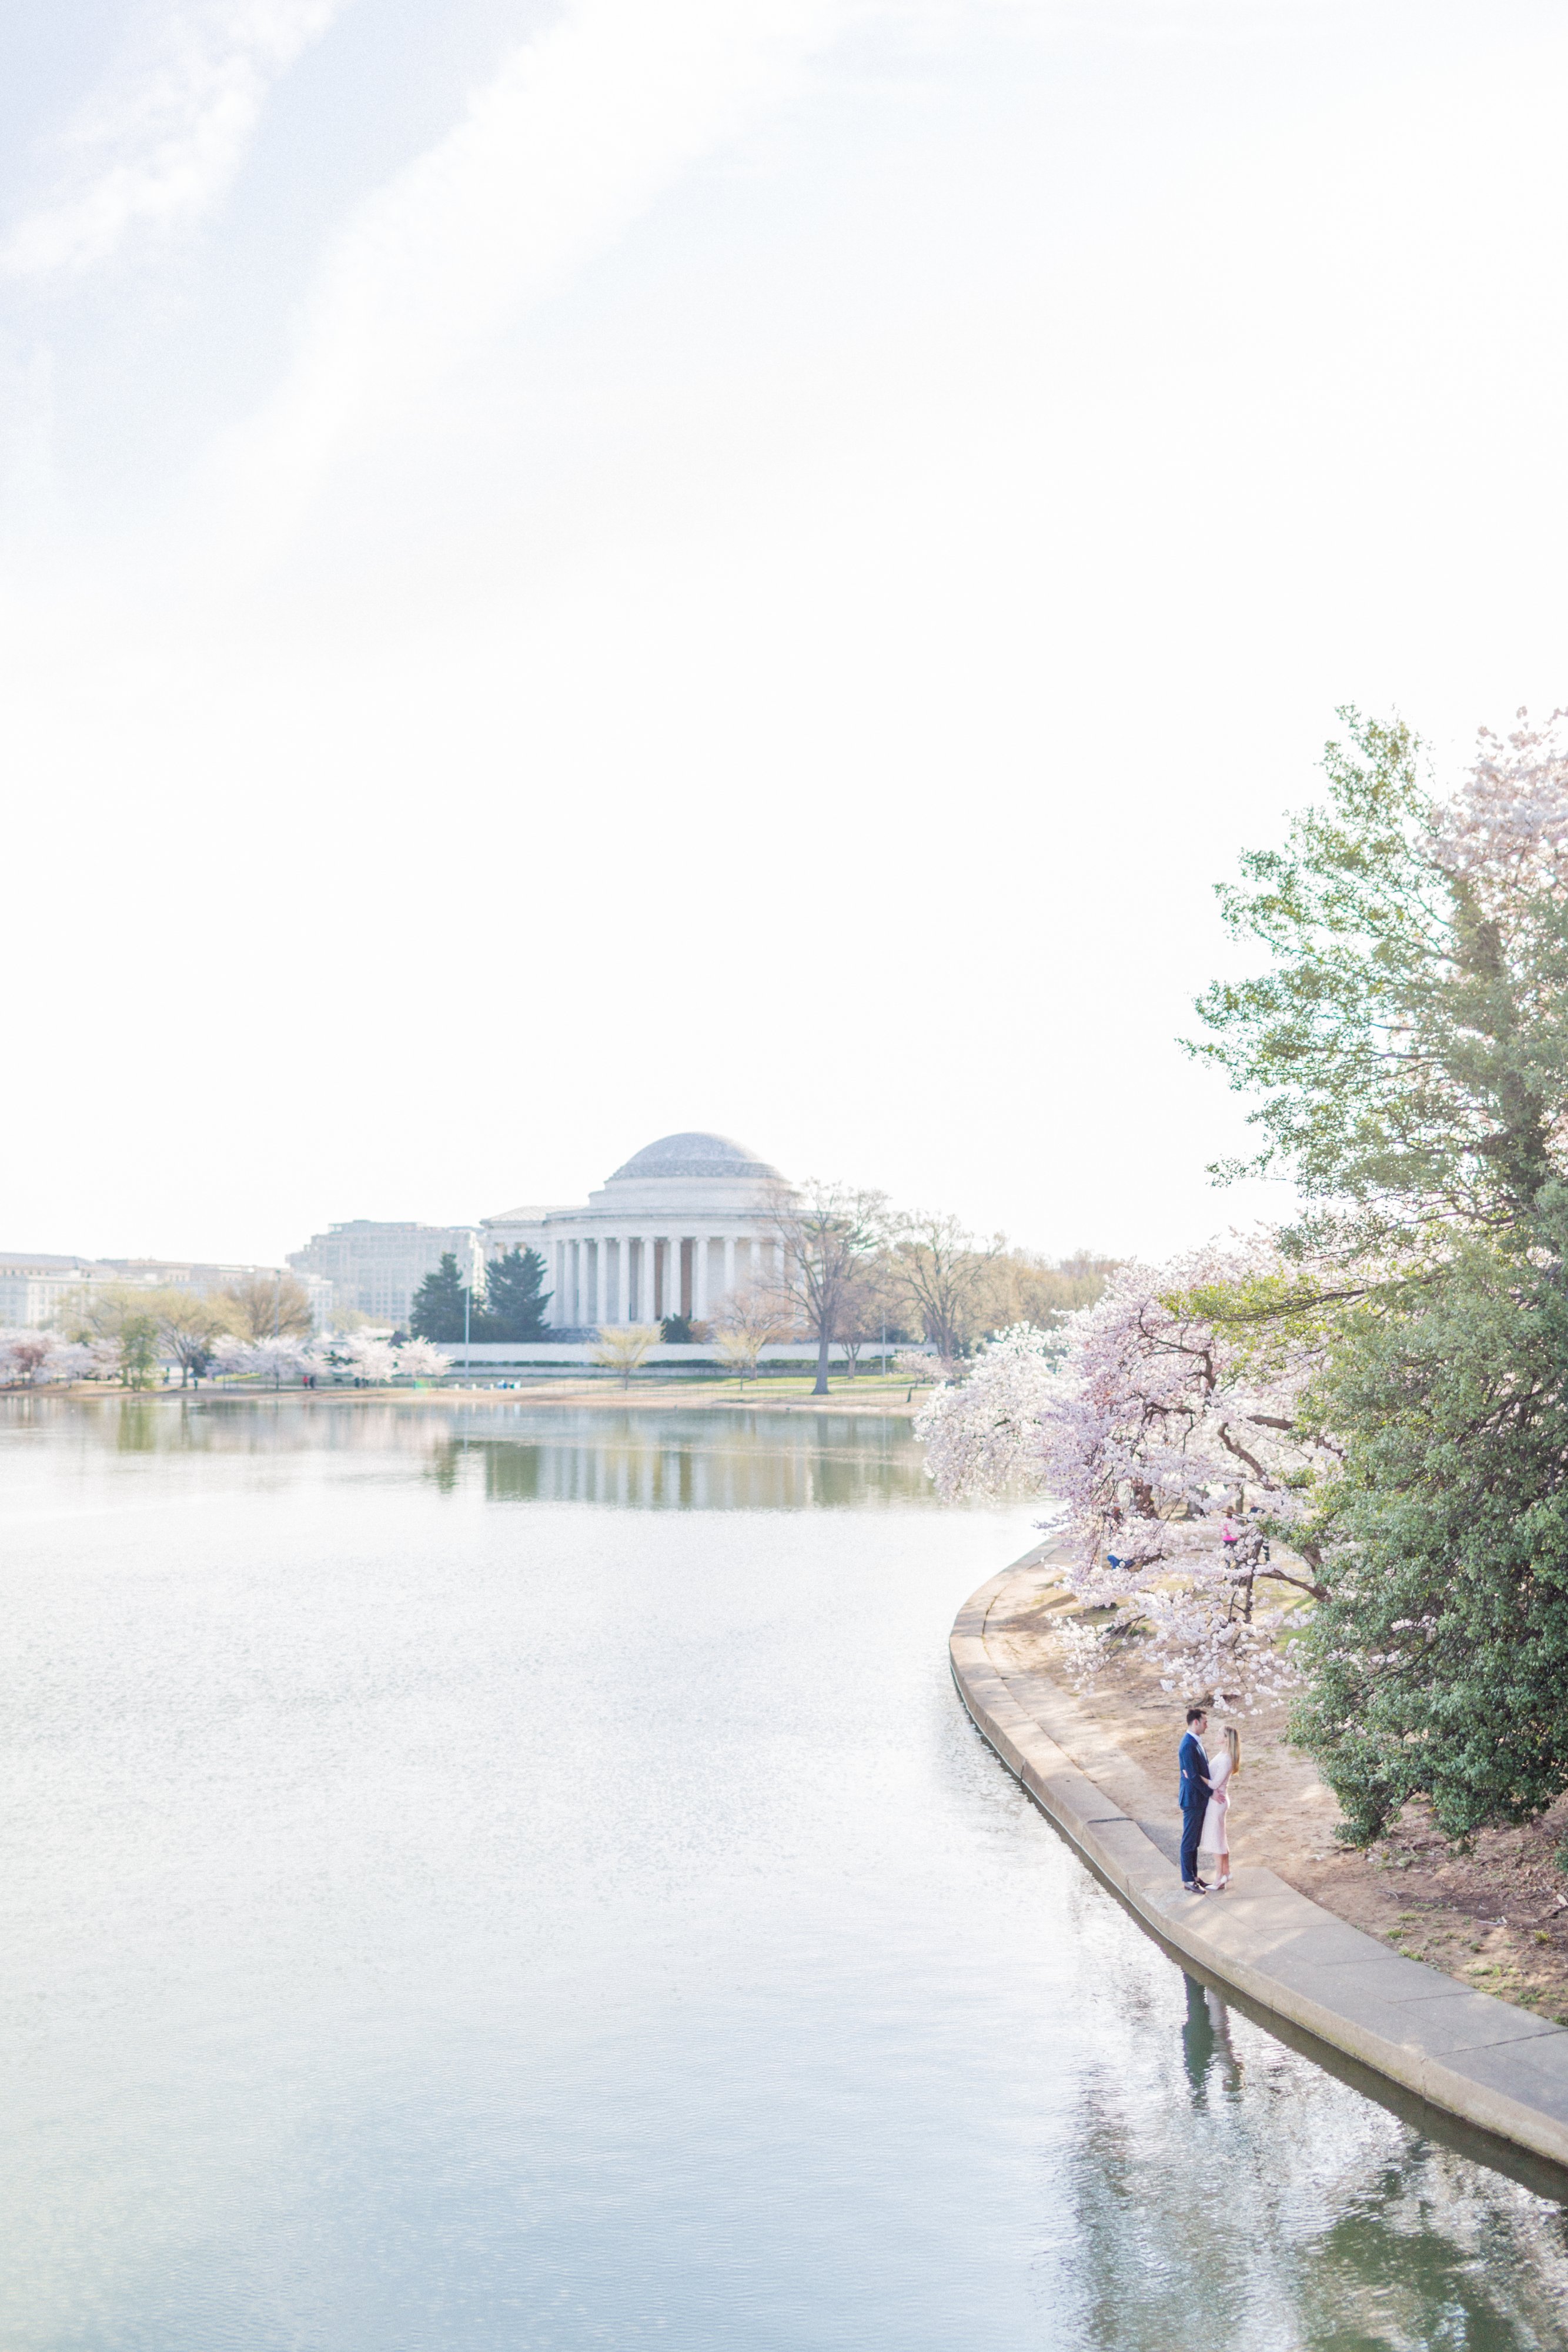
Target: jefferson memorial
[{"x": 684, "y": 1222}]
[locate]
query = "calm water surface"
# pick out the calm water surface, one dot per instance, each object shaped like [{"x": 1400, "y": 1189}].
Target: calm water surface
[{"x": 500, "y": 1878}]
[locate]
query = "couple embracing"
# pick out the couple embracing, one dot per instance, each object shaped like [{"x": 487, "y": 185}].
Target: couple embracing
[{"x": 1206, "y": 1801}]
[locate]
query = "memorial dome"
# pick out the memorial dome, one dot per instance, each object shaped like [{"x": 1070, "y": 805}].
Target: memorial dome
[{"x": 694, "y": 1158}]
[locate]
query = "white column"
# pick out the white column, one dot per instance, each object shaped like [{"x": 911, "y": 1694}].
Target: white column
[
  {"x": 645, "y": 1282},
  {"x": 729, "y": 1266},
  {"x": 558, "y": 1304},
  {"x": 699, "y": 1277}
]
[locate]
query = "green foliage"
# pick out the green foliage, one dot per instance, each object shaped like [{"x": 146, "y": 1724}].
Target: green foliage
[
  {"x": 1439, "y": 1665},
  {"x": 139, "y": 1351},
  {"x": 1410, "y": 1039},
  {"x": 439, "y": 1303},
  {"x": 1409, "y": 1045},
  {"x": 514, "y": 1304}
]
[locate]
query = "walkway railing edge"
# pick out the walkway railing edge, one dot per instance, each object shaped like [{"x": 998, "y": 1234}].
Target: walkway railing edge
[{"x": 1260, "y": 1926}]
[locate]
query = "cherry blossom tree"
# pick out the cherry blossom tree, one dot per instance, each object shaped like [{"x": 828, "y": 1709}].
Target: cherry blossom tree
[
  {"x": 27, "y": 1358},
  {"x": 1182, "y": 1399},
  {"x": 420, "y": 1360},
  {"x": 271, "y": 1362},
  {"x": 1179, "y": 1397},
  {"x": 366, "y": 1358},
  {"x": 982, "y": 1434}
]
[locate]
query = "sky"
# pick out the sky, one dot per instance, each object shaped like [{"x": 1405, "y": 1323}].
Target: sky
[{"x": 571, "y": 569}]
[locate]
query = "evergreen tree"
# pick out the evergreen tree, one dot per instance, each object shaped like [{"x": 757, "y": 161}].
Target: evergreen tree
[
  {"x": 514, "y": 1303},
  {"x": 439, "y": 1302},
  {"x": 1439, "y": 1665}
]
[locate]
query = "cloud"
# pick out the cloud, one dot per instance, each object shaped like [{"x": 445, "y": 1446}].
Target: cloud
[
  {"x": 160, "y": 145},
  {"x": 573, "y": 138}
]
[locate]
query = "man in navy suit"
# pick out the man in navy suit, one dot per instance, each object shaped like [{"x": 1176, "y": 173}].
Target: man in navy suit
[{"x": 1193, "y": 1760}]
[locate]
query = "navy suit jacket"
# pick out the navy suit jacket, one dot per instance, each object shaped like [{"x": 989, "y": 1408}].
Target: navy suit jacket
[{"x": 1193, "y": 1764}]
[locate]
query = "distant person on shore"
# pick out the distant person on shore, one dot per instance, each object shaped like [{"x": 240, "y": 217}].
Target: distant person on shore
[
  {"x": 1192, "y": 1760},
  {"x": 1215, "y": 1840}
]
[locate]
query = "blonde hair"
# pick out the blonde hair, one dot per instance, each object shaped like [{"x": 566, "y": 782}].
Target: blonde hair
[{"x": 1233, "y": 1741}]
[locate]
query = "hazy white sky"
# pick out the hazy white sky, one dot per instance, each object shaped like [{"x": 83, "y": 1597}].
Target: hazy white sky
[{"x": 573, "y": 568}]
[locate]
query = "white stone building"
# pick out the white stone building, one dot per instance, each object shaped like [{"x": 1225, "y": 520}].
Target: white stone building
[
  {"x": 36, "y": 1284},
  {"x": 685, "y": 1221}
]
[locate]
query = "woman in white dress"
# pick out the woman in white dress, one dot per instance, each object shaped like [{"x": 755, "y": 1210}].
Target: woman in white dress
[{"x": 1224, "y": 1763}]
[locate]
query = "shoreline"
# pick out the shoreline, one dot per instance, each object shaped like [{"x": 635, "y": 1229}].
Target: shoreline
[
  {"x": 1497, "y": 2067},
  {"x": 686, "y": 1395}
]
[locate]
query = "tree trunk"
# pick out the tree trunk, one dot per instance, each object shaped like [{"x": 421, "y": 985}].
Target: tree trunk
[{"x": 824, "y": 1342}]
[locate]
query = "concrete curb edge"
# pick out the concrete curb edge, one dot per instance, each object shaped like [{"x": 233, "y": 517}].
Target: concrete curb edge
[{"x": 1494, "y": 2065}]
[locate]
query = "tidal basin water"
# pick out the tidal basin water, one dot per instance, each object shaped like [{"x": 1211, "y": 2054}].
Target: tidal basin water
[{"x": 495, "y": 1877}]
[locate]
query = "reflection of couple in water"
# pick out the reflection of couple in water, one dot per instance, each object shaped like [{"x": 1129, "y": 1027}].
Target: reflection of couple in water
[
  {"x": 1206, "y": 2037},
  {"x": 1205, "y": 1780}
]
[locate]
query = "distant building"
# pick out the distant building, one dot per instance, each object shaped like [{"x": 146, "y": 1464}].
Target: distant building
[
  {"x": 36, "y": 1288},
  {"x": 374, "y": 1269},
  {"x": 202, "y": 1279},
  {"x": 682, "y": 1223}
]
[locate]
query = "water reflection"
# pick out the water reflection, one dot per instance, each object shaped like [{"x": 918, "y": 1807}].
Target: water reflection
[
  {"x": 444, "y": 1915},
  {"x": 1205, "y": 2041},
  {"x": 737, "y": 1462},
  {"x": 718, "y": 1459},
  {"x": 1228, "y": 2193}
]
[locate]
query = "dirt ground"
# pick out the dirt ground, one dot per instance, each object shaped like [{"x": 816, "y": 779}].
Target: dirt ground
[{"x": 1497, "y": 1917}]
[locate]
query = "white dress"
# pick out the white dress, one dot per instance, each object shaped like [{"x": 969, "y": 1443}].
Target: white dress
[{"x": 1213, "y": 1837}]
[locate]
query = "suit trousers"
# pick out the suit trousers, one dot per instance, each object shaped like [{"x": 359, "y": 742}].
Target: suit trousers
[{"x": 1191, "y": 1830}]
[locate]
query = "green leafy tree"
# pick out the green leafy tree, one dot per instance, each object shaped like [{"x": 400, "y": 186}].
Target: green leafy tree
[
  {"x": 1409, "y": 1041},
  {"x": 440, "y": 1302},
  {"x": 1439, "y": 1663},
  {"x": 139, "y": 1351},
  {"x": 1409, "y": 1045},
  {"x": 515, "y": 1298}
]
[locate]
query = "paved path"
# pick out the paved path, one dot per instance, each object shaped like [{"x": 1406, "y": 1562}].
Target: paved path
[{"x": 1494, "y": 2065}]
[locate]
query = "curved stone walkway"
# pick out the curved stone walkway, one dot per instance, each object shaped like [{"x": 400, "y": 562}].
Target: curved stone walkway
[{"x": 1495, "y": 2065}]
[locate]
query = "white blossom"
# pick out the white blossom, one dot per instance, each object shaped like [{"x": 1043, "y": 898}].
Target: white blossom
[
  {"x": 28, "y": 1356},
  {"x": 1158, "y": 1419},
  {"x": 982, "y": 1433}
]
